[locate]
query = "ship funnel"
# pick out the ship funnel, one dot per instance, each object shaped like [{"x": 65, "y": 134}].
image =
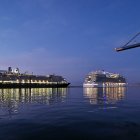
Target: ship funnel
[{"x": 9, "y": 69}]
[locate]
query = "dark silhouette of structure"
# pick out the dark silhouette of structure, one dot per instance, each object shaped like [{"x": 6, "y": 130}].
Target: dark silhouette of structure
[{"x": 126, "y": 46}]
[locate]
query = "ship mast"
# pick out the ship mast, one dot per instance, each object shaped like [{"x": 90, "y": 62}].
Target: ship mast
[{"x": 126, "y": 46}]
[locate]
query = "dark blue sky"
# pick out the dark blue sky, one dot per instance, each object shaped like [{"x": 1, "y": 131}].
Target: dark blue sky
[{"x": 69, "y": 37}]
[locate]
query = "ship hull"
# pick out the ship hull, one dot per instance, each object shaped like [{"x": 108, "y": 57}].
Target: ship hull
[
  {"x": 104, "y": 84},
  {"x": 29, "y": 85}
]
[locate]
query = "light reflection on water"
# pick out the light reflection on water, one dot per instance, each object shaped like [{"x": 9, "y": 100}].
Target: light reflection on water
[
  {"x": 104, "y": 95},
  {"x": 12, "y": 99},
  {"x": 69, "y": 114}
]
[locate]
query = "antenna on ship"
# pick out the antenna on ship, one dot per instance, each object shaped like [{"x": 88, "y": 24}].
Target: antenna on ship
[{"x": 127, "y": 46}]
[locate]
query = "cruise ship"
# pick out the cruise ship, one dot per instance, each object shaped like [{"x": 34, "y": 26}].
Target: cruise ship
[
  {"x": 104, "y": 79},
  {"x": 12, "y": 78}
]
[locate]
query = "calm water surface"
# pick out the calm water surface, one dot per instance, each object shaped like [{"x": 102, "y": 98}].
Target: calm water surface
[{"x": 70, "y": 113}]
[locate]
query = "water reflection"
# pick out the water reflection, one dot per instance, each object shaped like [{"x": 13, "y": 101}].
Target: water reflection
[
  {"x": 105, "y": 95},
  {"x": 12, "y": 99}
]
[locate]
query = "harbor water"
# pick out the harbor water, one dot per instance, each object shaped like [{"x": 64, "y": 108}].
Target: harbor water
[{"x": 70, "y": 113}]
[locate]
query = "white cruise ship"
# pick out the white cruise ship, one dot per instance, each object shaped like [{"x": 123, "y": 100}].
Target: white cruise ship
[{"x": 104, "y": 79}]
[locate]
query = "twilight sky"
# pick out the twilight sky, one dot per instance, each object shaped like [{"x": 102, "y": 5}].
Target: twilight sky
[{"x": 70, "y": 37}]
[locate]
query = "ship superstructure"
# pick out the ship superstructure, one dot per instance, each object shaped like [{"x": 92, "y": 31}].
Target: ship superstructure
[
  {"x": 104, "y": 79},
  {"x": 13, "y": 78}
]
